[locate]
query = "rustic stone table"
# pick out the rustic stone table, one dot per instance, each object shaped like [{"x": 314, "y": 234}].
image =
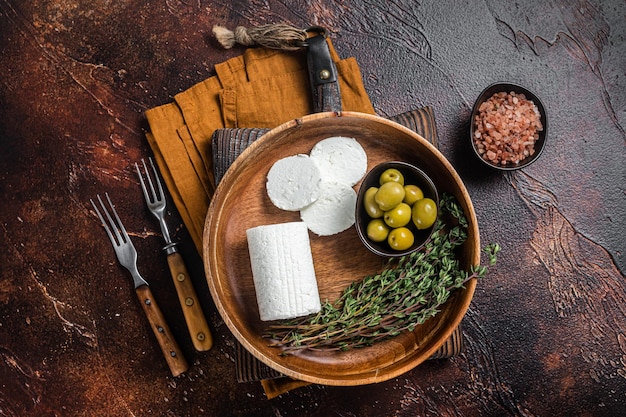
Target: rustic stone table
[{"x": 546, "y": 331}]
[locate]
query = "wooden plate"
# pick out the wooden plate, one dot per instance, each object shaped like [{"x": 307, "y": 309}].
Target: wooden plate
[{"x": 240, "y": 202}]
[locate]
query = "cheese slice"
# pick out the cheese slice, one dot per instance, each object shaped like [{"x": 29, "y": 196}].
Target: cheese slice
[
  {"x": 333, "y": 212},
  {"x": 340, "y": 159},
  {"x": 282, "y": 271},
  {"x": 293, "y": 182}
]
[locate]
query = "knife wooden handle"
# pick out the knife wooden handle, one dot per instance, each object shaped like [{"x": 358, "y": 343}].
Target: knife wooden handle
[
  {"x": 192, "y": 310},
  {"x": 173, "y": 355}
]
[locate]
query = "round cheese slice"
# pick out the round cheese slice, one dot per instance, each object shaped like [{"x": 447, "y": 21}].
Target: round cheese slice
[
  {"x": 282, "y": 270},
  {"x": 340, "y": 159},
  {"x": 293, "y": 182},
  {"x": 333, "y": 211}
]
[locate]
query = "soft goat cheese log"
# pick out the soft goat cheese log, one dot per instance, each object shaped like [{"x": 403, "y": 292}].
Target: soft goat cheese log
[{"x": 282, "y": 271}]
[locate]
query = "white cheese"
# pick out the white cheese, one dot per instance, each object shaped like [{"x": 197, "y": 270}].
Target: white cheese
[
  {"x": 293, "y": 182},
  {"x": 319, "y": 185},
  {"x": 340, "y": 159},
  {"x": 333, "y": 212},
  {"x": 282, "y": 271}
]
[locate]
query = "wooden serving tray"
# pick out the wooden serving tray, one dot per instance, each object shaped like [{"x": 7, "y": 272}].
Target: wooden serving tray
[{"x": 240, "y": 203}]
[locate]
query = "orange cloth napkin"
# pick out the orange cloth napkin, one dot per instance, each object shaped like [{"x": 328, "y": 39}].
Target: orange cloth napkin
[{"x": 262, "y": 88}]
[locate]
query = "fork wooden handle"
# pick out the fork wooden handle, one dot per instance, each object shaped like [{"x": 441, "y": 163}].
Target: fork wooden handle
[
  {"x": 173, "y": 355},
  {"x": 192, "y": 310}
]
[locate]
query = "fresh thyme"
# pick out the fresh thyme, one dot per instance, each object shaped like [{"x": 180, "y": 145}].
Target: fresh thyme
[{"x": 404, "y": 295}]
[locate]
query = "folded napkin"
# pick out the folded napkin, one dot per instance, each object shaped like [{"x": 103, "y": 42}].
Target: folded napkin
[{"x": 260, "y": 89}]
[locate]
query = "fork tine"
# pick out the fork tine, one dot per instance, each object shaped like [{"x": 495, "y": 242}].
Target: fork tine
[
  {"x": 104, "y": 223},
  {"x": 118, "y": 225},
  {"x": 142, "y": 182},
  {"x": 158, "y": 180},
  {"x": 152, "y": 197},
  {"x": 156, "y": 202},
  {"x": 113, "y": 227}
]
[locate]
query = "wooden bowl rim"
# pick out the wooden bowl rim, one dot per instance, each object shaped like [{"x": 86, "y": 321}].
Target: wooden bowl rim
[{"x": 405, "y": 363}]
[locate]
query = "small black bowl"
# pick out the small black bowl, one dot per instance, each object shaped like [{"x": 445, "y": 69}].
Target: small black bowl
[
  {"x": 412, "y": 175},
  {"x": 539, "y": 144}
]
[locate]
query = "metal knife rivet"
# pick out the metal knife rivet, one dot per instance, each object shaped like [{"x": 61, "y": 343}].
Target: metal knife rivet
[
  {"x": 160, "y": 329},
  {"x": 200, "y": 336},
  {"x": 173, "y": 354},
  {"x": 189, "y": 301},
  {"x": 180, "y": 277},
  {"x": 148, "y": 302},
  {"x": 324, "y": 74}
]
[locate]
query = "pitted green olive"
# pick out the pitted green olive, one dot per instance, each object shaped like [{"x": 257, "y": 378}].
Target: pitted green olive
[
  {"x": 400, "y": 239},
  {"x": 412, "y": 193},
  {"x": 398, "y": 216},
  {"x": 389, "y": 195},
  {"x": 424, "y": 213},
  {"x": 371, "y": 207},
  {"x": 377, "y": 230},
  {"x": 391, "y": 175}
]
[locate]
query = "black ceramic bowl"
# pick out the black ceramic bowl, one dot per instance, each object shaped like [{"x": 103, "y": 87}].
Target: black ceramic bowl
[
  {"x": 412, "y": 175},
  {"x": 539, "y": 144}
]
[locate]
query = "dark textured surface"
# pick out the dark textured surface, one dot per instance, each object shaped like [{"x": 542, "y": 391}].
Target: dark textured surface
[{"x": 546, "y": 331}]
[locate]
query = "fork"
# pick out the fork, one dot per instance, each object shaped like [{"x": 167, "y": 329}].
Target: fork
[
  {"x": 192, "y": 310},
  {"x": 127, "y": 257}
]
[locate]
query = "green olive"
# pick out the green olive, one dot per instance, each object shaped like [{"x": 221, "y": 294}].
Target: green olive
[
  {"x": 389, "y": 195},
  {"x": 371, "y": 207},
  {"x": 391, "y": 175},
  {"x": 424, "y": 213},
  {"x": 412, "y": 193},
  {"x": 377, "y": 230},
  {"x": 398, "y": 216},
  {"x": 400, "y": 238}
]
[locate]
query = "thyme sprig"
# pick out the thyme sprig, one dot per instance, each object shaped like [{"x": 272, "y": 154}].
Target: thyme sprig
[{"x": 409, "y": 291}]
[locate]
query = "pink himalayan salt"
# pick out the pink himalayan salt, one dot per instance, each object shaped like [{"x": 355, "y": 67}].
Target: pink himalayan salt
[{"x": 506, "y": 128}]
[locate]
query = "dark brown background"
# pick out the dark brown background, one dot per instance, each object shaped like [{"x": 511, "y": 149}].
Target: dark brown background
[{"x": 546, "y": 331}]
